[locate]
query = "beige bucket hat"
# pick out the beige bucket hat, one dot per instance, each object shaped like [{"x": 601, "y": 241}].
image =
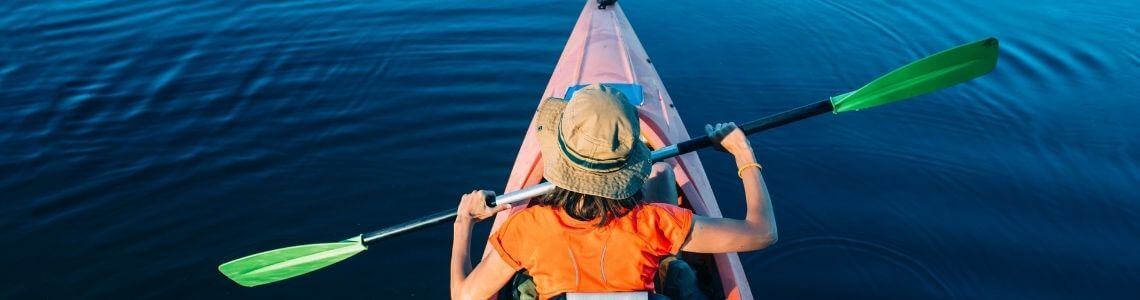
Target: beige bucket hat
[{"x": 590, "y": 144}]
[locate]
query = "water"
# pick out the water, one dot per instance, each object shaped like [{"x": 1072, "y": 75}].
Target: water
[{"x": 145, "y": 142}]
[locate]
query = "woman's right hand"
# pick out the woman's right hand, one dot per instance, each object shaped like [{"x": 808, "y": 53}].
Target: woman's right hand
[
  {"x": 730, "y": 137},
  {"x": 758, "y": 229}
]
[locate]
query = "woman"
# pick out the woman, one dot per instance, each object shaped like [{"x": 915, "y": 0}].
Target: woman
[{"x": 592, "y": 154}]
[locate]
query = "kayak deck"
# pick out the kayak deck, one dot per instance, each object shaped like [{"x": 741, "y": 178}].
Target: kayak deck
[{"x": 604, "y": 49}]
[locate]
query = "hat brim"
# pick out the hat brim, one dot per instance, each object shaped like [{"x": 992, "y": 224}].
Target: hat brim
[{"x": 618, "y": 184}]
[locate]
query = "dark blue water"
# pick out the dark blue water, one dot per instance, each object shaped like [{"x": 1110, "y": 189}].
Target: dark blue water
[{"x": 142, "y": 143}]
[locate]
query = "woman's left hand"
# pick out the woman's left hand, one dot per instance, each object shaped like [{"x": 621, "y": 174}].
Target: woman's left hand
[{"x": 472, "y": 207}]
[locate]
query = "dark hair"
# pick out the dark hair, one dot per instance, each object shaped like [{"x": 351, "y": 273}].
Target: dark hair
[{"x": 585, "y": 207}]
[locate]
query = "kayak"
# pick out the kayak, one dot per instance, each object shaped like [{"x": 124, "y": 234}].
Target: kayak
[{"x": 604, "y": 49}]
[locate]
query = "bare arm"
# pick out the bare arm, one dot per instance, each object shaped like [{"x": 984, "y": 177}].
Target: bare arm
[
  {"x": 758, "y": 229},
  {"x": 490, "y": 275}
]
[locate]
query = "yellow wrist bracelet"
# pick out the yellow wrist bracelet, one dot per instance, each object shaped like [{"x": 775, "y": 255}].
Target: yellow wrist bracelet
[{"x": 740, "y": 172}]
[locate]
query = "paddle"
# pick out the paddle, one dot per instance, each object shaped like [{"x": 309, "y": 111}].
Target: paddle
[{"x": 938, "y": 71}]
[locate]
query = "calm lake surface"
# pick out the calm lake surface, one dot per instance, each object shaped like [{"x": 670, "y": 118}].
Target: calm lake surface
[{"x": 142, "y": 143}]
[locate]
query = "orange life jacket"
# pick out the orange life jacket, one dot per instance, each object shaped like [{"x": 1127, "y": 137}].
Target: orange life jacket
[{"x": 563, "y": 254}]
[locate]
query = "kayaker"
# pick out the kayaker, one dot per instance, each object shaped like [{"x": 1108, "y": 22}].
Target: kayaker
[{"x": 604, "y": 228}]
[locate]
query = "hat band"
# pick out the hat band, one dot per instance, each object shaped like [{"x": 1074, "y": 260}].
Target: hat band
[{"x": 578, "y": 160}]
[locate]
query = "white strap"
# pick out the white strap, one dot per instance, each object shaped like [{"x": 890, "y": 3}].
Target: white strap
[{"x": 608, "y": 296}]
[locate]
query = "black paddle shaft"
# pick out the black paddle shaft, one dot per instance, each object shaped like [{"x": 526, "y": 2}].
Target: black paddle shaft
[
  {"x": 691, "y": 145},
  {"x": 777, "y": 120}
]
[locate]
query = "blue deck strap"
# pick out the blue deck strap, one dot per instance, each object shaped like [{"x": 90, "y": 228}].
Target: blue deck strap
[{"x": 632, "y": 91}]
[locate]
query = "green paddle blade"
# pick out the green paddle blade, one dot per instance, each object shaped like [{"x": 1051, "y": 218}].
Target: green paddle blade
[
  {"x": 935, "y": 72},
  {"x": 276, "y": 265}
]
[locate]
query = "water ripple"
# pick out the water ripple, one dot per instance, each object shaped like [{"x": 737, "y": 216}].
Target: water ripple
[
  {"x": 866, "y": 16},
  {"x": 862, "y": 253}
]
